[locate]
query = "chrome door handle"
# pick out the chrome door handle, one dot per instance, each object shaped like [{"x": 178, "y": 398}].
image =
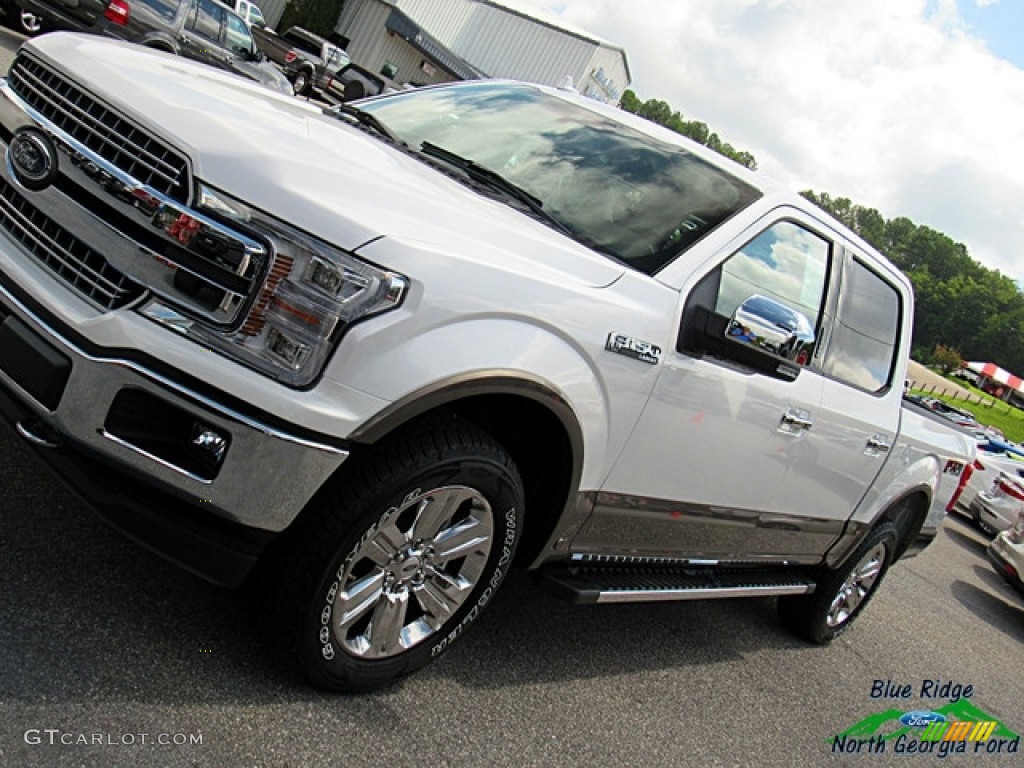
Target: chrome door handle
[
  {"x": 878, "y": 444},
  {"x": 795, "y": 419}
]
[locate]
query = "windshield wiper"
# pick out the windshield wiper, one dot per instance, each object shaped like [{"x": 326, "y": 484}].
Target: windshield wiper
[
  {"x": 365, "y": 118},
  {"x": 495, "y": 181}
]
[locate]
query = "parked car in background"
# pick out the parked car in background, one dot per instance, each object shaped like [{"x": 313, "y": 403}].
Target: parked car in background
[
  {"x": 20, "y": 20},
  {"x": 248, "y": 11},
  {"x": 353, "y": 82},
  {"x": 307, "y": 60},
  {"x": 959, "y": 416},
  {"x": 1007, "y": 554},
  {"x": 994, "y": 459},
  {"x": 996, "y": 507},
  {"x": 204, "y": 30}
]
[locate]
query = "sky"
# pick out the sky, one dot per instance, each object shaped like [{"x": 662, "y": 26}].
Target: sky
[{"x": 913, "y": 107}]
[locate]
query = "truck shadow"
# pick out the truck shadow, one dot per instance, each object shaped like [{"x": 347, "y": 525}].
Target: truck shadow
[{"x": 88, "y": 616}]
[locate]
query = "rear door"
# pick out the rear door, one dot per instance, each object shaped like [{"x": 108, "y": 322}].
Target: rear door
[
  {"x": 858, "y": 420},
  {"x": 203, "y": 32}
]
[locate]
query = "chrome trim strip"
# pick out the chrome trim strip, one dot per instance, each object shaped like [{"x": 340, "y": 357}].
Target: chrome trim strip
[
  {"x": 659, "y": 595},
  {"x": 31, "y": 436},
  {"x": 154, "y": 211},
  {"x": 73, "y": 112},
  {"x": 162, "y": 462}
]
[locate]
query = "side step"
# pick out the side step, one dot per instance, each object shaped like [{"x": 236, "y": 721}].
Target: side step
[{"x": 639, "y": 584}]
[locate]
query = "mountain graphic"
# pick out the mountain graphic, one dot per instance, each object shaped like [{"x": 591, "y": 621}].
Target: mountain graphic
[{"x": 887, "y": 724}]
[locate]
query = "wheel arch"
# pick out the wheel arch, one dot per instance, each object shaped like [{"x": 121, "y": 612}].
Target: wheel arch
[
  {"x": 908, "y": 512},
  {"x": 161, "y": 43},
  {"x": 531, "y": 420}
]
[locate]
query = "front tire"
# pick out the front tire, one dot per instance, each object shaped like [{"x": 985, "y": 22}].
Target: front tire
[
  {"x": 388, "y": 569},
  {"x": 841, "y": 594}
]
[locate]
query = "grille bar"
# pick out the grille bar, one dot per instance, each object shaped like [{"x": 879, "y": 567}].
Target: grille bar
[
  {"x": 80, "y": 267},
  {"x": 133, "y": 150}
]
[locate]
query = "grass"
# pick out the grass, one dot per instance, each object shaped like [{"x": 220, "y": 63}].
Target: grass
[{"x": 987, "y": 410}]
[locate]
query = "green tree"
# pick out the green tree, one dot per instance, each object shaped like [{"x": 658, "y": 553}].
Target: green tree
[
  {"x": 661, "y": 112},
  {"x": 318, "y": 16},
  {"x": 947, "y": 359}
]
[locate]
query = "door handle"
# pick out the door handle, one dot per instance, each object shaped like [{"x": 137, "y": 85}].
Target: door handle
[
  {"x": 877, "y": 444},
  {"x": 795, "y": 420}
]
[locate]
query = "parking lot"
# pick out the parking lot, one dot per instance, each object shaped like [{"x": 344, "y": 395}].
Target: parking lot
[{"x": 111, "y": 657}]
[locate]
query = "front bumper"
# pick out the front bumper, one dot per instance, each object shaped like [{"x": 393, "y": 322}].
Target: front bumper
[{"x": 212, "y": 518}]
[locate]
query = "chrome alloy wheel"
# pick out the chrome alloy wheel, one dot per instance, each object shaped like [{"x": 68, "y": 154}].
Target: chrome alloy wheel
[
  {"x": 858, "y": 585},
  {"x": 411, "y": 572}
]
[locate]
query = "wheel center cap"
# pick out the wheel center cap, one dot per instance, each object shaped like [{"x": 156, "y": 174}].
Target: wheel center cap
[{"x": 408, "y": 567}]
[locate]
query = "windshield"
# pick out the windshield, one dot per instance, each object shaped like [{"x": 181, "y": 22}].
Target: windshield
[{"x": 631, "y": 196}]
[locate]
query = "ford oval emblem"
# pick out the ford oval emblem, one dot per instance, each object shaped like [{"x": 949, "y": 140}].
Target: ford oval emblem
[
  {"x": 32, "y": 159},
  {"x": 922, "y": 718}
]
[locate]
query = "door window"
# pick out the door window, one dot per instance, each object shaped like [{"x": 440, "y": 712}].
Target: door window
[
  {"x": 236, "y": 35},
  {"x": 206, "y": 20},
  {"x": 862, "y": 351},
  {"x": 773, "y": 290}
]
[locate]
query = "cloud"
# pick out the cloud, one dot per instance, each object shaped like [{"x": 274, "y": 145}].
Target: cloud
[{"x": 894, "y": 105}]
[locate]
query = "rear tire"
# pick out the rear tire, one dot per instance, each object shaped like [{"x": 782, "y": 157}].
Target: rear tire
[
  {"x": 302, "y": 82},
  {"x": 387, "y": 569},
  {"x": 841, "y": 594},
  {"x": 28, "y": 23}
]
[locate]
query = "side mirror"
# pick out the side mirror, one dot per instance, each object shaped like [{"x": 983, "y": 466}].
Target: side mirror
[
  {"x": 772, "y": 327},
  {"x": 763, "y": 334}
]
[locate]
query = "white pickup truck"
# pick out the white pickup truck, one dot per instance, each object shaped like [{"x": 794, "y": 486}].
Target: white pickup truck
[{"x": 373, "y": 357}]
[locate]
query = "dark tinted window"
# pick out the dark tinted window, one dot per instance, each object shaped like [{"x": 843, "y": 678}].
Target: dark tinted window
[
  {"x": 617, "y": 190},
  {"x": 862, "y": 351}
]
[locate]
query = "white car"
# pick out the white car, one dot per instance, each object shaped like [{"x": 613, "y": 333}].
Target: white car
[
  {"x": 1007, "y": 553},
  {"x": 983, "y": 477},
  {"x": 995, "y": 509}
]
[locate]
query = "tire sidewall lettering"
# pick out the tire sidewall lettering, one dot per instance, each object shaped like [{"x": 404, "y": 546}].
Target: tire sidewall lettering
[{"x": 511, "y": 531}]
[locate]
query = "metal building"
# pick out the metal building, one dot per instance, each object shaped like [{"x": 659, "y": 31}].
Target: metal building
[{"x": 432, "y": 41}]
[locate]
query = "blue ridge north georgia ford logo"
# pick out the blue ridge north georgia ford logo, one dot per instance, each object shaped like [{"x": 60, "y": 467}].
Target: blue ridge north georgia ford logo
[{"x": 32, "y": 159}]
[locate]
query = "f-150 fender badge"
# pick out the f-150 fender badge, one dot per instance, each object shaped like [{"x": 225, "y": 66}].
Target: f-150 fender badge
[{"x": 643, "y": 351}]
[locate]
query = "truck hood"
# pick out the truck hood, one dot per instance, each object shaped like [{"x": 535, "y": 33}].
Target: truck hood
[{"x": 316, "y": 172}]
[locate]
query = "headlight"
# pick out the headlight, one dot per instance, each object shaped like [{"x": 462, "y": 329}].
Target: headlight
[{"x": 311, "y": 293}]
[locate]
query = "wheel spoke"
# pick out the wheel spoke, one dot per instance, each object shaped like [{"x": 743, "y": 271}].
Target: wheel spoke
[
  {"x": 354, "y": 603},
  {"x": 460, "y": 539},
  {"x": 435, "y": 511},
  {"x": 384, "y": 545},
  {"x": 434, "y": 598},
  {"x": 385, "y": 630}
]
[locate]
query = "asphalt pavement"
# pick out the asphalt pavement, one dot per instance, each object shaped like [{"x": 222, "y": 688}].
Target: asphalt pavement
[{"x": 111, "y": 657}]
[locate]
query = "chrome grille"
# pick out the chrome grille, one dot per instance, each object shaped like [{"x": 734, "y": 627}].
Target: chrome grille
[
  {"x": 130, "y": 148},
  {"x": 84, "y": 270}
]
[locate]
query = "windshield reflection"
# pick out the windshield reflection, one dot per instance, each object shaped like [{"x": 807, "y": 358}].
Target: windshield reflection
[{"x": 638, "y": 199}]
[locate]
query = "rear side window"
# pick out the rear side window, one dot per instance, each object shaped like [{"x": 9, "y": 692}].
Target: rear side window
[
  {"x": 862, "y": 351},
  {"x": 206, "y": 20},
  {"x": 165, "y": 9},
  {"x": 237, "y": 35}
]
